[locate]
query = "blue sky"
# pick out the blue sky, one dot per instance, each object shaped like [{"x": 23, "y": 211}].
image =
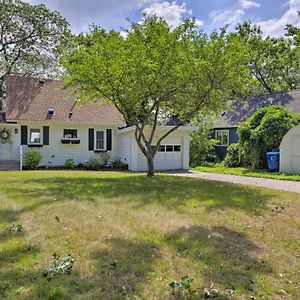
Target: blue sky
[{"x": 271, "y": 15}]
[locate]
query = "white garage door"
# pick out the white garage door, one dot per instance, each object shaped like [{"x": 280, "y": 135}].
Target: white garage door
[{"x": 169, "y": 156}]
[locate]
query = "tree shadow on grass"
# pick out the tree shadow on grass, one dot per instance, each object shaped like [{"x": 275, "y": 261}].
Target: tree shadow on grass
[
  {"x": 119, "y": 272},
  {"x": 228, "y": 258},
  {"x": 170, "y": 192},
  {"x": 125, "y": 266},
  {"x": 15, "y": 267}
]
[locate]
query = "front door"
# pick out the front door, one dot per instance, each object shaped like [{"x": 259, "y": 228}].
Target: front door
[{"x": 6, "y": 144}]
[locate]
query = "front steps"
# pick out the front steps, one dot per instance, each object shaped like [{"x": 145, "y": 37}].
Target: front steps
[{"x": 9, "y": 165}]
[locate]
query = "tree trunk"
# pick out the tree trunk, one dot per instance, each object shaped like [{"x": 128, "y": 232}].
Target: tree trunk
[{"x": 150, "y": 165}]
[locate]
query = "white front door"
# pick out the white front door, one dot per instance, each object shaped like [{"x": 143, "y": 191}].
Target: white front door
[{"x": 6, "y": 145}]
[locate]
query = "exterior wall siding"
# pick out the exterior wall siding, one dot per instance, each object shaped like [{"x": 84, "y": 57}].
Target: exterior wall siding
[
  {"x": 124, "y": 146},
  {"x": 56, "y": 153},
  {"x": 221, "y": 151}
]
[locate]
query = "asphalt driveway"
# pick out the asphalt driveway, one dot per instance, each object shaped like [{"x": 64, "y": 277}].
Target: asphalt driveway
[{"x": 282, "y": 185}]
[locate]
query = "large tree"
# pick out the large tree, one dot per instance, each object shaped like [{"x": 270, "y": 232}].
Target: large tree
[
  {"x": 273, "y": 62},
  {"x": 30, "y": 36},
  {"x": 155, "y": 72}
]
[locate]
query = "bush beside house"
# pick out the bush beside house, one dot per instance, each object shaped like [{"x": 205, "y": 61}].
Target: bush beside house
[
  {"x": 32, "y": 159},
  {"x": 202, "y": 145},
  {"x": 260, "y": 133}
]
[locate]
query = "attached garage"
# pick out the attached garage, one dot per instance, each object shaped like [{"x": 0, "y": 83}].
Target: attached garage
[
  {"x": 173, "y": 153},
  {"x": 290, "y": 151}
]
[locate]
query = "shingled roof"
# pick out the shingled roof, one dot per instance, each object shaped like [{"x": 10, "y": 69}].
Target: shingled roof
[
  {"x": 242, "y": 110},
  {"x": 30, "y": 99},
  {"x": 2, "y": 117}
]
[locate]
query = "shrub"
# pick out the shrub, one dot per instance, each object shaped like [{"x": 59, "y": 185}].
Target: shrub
[
  {"x": 32, "y": 159},
  {"x": 69, "y": 164},
  {"x": 118, "y": 164},
  {"x": 80, "y": 165},
  {"x": 263, "y": 132},
  {"x": 202, "y": 145},
  {"x": 93, "y": 164},
  {"x": 233, "y": 156}
]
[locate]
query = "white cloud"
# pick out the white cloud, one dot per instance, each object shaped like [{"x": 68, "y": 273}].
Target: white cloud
[
  {"x": 275, "y": 27},
  {"x": 172, "y": 12},
  {"x": 227, "y": 16},
  {"x": 246, "y": 4}
]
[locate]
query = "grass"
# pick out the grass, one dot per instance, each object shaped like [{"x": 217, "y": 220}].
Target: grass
[
  {"x": 221, "y": 169},
  {"x": 131, "y": 236}
]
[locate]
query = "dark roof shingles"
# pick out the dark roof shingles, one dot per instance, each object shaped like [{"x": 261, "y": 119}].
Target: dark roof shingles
[
  {"x": 2, "y": 117},
  {"x": 242, "y": 110},
  {"x": 30, "y": 99}
]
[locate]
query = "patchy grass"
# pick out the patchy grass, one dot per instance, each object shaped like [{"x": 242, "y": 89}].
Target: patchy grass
[
  {"x": 131, "y": 236},
  {"x": 221, "y": 169}
]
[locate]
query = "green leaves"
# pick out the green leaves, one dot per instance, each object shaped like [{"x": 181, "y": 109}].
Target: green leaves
[
  {"x": 59, "y": 266},
  {"x": 263, "y": 132},
  {"x": 30, "y": 38},
  {"x": 156, "y": 72},
  {"x": 274, "y": 63}
]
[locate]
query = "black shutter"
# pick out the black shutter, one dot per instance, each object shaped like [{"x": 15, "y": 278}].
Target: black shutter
[
  {"x": 91, "y": 139},
  {"x": 23, "y": 135},
  {"x": 108, "y": 140},
  {"x": 45, "y": 135}
]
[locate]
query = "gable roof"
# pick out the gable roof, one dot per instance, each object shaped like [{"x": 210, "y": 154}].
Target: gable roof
[
  {"x": 242, "y": 110},
  {"x": 30, "y": 99}
]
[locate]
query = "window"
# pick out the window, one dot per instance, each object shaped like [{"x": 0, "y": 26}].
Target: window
[
  {"x": 223, "y": 137},
  {"x": 100, "y": 140},
  {"x": 177, "y": 148},
  {"x": 162, "y": 148},
  {"x": 35, "y": 136},
  {"x": 70, "y": 133},
  {"x": 169, "y": 148}
]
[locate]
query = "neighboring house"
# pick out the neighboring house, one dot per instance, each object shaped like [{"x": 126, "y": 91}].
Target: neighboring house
[
  {"x": 226, "y": 127},
  {"x": 41, "y": 115}
]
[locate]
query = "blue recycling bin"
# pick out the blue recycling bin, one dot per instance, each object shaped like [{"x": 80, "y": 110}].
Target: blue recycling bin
[{"x": 273, "y": 161}]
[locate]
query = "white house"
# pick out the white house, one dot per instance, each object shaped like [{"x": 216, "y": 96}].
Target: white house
[{"x": 41, "y": 115}]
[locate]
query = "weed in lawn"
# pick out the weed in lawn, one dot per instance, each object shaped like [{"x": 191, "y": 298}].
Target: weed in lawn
[
  {"x": 56, "y": 293},
  {"x": 59, "y": 266},
  {"x": 15, "y": 228},
  {"x": 183, "y": 287}
]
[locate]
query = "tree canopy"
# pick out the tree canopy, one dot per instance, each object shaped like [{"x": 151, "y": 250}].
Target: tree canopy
[
  {"x": 30, "y": 36},
  {"x": 157, "y": 72},
  {"x": 273, "y": 62}
]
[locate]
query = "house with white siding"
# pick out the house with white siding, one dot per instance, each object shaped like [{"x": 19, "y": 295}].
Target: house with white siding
[{"x": 41, "y": 115}]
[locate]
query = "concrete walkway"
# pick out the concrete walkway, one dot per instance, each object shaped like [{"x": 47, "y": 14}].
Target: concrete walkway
[{"x": 283, "y": 185}]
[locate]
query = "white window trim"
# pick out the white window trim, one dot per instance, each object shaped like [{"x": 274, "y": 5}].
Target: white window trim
[
  {"x": 64, "y": 138},
  {"x": 95, "y": 139},
  {"x": 29, "y": 135},
  {"x": 216, "y": 135},
  {"x": 165, "y": 145}
]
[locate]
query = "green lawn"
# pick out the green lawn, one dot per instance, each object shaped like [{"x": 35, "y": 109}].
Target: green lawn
[
  {"x": 131, "y": 236},
  {"x": 221, "y": 169}
]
